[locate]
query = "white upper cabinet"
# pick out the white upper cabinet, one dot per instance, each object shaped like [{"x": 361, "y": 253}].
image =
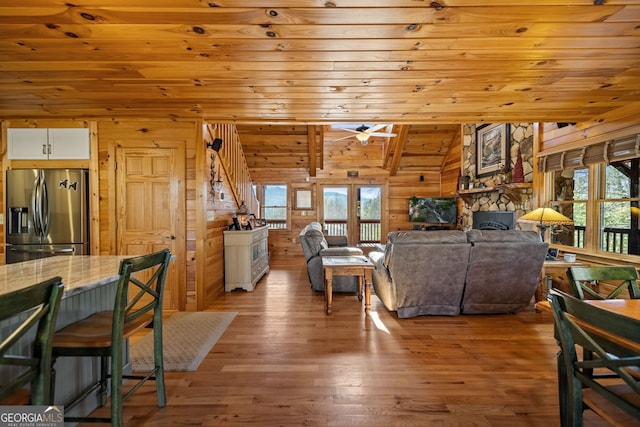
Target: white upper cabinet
[
  {"x": 48, "y": 144},
  {"x": 27, "y": 143},
  {"x": 72, "y": 143}
]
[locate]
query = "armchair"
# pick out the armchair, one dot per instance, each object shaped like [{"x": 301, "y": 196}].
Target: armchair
[{"x": 315, "y": 245}]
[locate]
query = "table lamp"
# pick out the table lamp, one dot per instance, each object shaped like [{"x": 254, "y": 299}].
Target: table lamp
[{"x": 544, "y": 218}]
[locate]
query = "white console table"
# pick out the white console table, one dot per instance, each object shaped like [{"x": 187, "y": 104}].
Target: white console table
[{"x": 246, "y": 258}]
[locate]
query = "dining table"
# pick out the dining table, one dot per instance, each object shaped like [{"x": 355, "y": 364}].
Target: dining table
[{"x": 625, "y": 307}]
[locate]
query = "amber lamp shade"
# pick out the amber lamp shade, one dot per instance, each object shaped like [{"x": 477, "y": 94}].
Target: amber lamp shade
[{"x": 544, "y": 218}]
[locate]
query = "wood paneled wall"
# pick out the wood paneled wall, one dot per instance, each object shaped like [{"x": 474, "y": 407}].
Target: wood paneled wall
[
  {"x": 214, "y": 216},
  {"x": 349, "y": 155},
  {"x": 113, "y": 134},
  {"x": 206, "y": 219},
  {"x": 622, "y": 122}
]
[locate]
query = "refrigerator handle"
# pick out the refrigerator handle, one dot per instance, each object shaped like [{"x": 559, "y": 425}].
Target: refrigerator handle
[
  {"x": 44, "y": 207},
  {"x": 35, "y": 206}
]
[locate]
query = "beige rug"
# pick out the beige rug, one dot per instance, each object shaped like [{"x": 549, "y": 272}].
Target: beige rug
[{"x": 187, "y": 338}]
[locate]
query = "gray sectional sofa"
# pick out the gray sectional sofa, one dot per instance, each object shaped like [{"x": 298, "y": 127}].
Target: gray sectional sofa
[{"x": 455, "y": 272}]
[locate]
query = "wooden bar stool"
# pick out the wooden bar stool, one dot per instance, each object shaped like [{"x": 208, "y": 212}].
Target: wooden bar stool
[
  {"x": 40, "y": 304},
  {"x": 138, "y": 304}
]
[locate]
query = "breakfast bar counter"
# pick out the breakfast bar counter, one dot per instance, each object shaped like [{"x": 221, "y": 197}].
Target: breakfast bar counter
[
  {"x": 79, "y": 273},
  {"x": 89, "y": 287}
]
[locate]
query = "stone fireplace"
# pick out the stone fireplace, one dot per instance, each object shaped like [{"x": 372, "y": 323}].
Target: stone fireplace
[
  {"x": 488, "y": 195},
  {"x": 494, "y": 220}
]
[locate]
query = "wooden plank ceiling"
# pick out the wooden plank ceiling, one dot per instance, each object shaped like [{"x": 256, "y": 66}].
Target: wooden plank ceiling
[{"x": 310, "y": 62}]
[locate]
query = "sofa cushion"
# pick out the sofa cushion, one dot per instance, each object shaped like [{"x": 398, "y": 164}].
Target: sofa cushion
[
  {"x": 421, "y": 237},
  {"x": 433, "y": 236},
  {"x": 341, "y": 251},
  {"x": 502, "y": 236},
  {"x": 422, "y": 272},
  {"x": 504, "y": 270}
]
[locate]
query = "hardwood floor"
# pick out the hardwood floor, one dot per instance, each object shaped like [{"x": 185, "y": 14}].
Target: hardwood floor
[{"x": 283, "y": 362}]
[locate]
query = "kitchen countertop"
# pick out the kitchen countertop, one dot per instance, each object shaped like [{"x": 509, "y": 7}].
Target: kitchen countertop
[{"x": 79, "y": 272}]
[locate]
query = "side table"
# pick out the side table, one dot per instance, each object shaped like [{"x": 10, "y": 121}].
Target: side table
[
  {"x": 554, "y": 275},
  {"x": 358, "y": 265}
]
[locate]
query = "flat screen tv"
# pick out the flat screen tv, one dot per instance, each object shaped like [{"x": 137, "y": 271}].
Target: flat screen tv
[{"x": 439, "y": 210}]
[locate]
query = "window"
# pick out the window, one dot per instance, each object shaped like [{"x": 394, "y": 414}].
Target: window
[
  {"x": 336, "y": 210},
  {"x": 570, "y": 196},
  {"x": 618, "y": 207},
  {"x": 605, "y": 210},
  {"x": 369, "y": 214},
  {"x": 274, "y": 205}
]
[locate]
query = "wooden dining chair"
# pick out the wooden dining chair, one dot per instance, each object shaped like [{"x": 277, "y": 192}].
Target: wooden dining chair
[
  {"x": 621, "y": 278},
  {"x": 604, "y": 383},
  {"x": 138, "y": 304},
  {"x": 35, "y": 310}
]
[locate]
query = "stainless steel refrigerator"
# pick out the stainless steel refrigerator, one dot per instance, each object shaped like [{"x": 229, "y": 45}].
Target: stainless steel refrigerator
[{"x": 47, "y": 213}]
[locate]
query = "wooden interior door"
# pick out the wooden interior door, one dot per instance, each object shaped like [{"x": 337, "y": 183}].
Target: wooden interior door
[{"x": 150, "y": 208}]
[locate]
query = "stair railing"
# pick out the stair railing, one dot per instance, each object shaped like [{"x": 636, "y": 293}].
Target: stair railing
[{"x": 234, "y": 164}]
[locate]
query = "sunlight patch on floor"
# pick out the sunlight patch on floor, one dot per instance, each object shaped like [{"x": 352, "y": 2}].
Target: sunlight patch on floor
[{"x": 378, "y": 322}]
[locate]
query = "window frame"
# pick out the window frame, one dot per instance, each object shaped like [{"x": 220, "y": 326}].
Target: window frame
[
  {"x": 594, "y": 202},
  {"x": 284, "y": 225}
]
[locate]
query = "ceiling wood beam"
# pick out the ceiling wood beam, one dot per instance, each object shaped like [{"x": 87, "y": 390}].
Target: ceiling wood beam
[
  {"x": 312, "y": 139},
  {"x": 393, "y": 155}
]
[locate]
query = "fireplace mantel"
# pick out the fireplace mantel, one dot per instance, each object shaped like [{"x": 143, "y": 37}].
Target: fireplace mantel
[{"x": 513, "y": 191}]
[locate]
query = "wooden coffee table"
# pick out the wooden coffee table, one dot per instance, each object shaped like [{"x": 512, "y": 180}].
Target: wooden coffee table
[{"x": 357, "y": 265}]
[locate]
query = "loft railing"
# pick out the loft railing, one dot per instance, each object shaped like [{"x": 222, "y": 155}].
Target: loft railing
[{"x": 234, "y": 164}]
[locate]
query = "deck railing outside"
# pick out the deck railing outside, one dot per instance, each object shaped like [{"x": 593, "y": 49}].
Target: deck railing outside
[
  {"x": 277, "y": 224},
  {"x": 614, "y": 240},
  {"x": 370, "y": 230},
  {"x": 335, "y": 227}
]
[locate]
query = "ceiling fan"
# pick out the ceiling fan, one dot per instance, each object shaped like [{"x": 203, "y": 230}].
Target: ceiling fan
[{"x": 364, "y": 132}]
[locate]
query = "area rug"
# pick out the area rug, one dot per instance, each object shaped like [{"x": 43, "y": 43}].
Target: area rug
[{"x": 187, "y": 338}]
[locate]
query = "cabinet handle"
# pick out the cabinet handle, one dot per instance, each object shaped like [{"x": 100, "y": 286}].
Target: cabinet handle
[
  {"x": 44, "y": 149},
  {"x": 49, "y": 148}
]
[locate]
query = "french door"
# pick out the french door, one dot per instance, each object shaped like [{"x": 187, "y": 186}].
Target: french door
[{"x": 354, "y": 211}]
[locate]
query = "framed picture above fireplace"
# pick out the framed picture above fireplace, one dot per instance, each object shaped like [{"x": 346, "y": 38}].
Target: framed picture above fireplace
[{"x": 492, "y": 148}]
